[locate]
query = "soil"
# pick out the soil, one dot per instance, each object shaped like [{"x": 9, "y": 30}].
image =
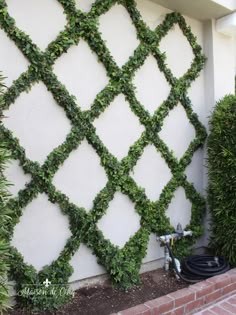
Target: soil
[{"x": 104, "y": 299}]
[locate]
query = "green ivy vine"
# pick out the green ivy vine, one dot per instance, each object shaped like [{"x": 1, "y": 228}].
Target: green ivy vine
[{"x": 124, "y": 264}]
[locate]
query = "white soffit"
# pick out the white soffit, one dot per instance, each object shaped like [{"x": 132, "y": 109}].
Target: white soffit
[
  {"x": 227, "y": 25},
  {"x": 200, "y": 9},
  {"x": 230, "y": 4}
]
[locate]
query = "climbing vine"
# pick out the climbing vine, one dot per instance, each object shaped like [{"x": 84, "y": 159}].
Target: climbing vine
[{"x": 122, "y": 264}]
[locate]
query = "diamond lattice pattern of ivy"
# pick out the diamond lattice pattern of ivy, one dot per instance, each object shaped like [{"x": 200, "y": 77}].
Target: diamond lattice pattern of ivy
[{"x": 83, "y": 28}]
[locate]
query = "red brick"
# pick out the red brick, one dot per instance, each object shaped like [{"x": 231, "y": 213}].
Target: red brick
[
  {"x": 220, "y": 281},
  {"x": 232, "y": 272},
  {"x": 160, "y": 305},
  {"x": 229, "y": 288},
  {"x": 228, "y": 307},
  {"x": 194, "y": 305},
  {"x": 220, "y": 311},
  {"x": 207, "y": 312},
  {"x": 182, "y": 296},
  {"x": 177, "y": 311},
  {"x": 233, "y": 277},
  {"x": 203, "y": 288},
  {"x": 223, "y": 282},
  {"x": 203, "y": 291},
  {"x": 213, "y": 296},
  {"x": 137, "y": 310},
  {"x": 232, "y": 300}
]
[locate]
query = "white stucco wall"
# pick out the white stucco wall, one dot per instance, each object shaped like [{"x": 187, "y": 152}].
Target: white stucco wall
[{"x": 43, "y": 230}]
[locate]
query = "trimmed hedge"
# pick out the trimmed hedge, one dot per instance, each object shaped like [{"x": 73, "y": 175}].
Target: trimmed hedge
[{"x": 222, "y": 178}]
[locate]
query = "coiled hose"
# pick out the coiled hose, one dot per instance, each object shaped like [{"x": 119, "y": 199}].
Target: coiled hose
[{"x": 199, "y": 267}]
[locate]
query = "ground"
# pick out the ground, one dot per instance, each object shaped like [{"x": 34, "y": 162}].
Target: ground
[{"x": 105, "y": 299}]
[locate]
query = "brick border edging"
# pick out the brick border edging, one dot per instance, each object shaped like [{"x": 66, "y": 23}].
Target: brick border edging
[{"x": 190, "y": 299}]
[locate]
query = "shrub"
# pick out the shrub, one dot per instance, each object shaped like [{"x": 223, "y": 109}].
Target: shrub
[
  {"x": 222, "y": 178},
  {"x": 4, "y": 217}
]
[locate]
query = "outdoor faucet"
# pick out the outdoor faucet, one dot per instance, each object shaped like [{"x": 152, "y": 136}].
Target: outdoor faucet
[{"x": 166, "y": 239}]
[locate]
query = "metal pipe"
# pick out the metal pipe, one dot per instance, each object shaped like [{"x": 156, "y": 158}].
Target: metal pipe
[
  {"x": 165, "y": 239},
  {"x": 168, "y": 237}
]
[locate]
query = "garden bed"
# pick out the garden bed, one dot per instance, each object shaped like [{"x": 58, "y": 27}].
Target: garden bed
[
  {"x": 105, "y": 299},
  {"x": 160, "y": 293}
]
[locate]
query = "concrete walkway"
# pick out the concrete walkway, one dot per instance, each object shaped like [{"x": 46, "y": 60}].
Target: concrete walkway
[{"x": 224, "y": 307}]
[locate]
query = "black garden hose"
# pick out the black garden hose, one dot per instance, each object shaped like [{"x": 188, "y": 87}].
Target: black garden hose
[{"x": 199, "y": 267}]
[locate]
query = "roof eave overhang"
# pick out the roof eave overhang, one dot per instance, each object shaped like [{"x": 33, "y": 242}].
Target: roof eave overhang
[{"x": 202, "y": 10}]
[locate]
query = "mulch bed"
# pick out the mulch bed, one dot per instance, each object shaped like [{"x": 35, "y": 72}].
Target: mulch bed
[{"x": 105, "y": 299}]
